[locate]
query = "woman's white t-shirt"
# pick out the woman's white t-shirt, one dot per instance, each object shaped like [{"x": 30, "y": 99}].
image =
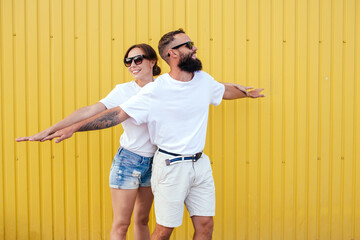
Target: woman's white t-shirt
[{"x": 135, "y": 137}]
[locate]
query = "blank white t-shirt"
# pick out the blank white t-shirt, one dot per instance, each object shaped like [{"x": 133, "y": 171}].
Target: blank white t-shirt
[
  {"x": 176, "y": 112},
  {"x": 135, "y": 137}
]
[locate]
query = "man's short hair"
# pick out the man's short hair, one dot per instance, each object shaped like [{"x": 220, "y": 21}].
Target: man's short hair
[{"x": 165, "y": 40}]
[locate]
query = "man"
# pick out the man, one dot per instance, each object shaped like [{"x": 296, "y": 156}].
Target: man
[{"x": 175, "y": 107}]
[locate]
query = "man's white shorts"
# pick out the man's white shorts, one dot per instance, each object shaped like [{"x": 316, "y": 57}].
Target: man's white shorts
[{"x": 186, "y": 182}]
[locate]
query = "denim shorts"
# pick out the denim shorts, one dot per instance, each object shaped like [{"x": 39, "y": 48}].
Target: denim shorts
[{"x": 130, "y": 170}]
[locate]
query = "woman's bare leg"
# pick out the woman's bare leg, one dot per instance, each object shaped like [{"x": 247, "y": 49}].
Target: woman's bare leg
[
  {"x": 123, "y": 201},
  {"x": 143, "y": 204}
]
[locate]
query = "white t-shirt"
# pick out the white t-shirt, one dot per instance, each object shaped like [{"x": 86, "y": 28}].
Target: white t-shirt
[
  {"x": 176, "y": 112},
  {"x": 135, "y": 137}
]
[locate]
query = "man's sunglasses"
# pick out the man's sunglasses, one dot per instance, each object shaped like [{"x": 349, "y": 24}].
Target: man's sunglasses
[
  {"x": 189, "y": 45},
  {"x": 137, "y": 60}
]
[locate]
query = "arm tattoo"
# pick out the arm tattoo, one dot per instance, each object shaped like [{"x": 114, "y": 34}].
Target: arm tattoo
[{"x": 107, "y": 120}]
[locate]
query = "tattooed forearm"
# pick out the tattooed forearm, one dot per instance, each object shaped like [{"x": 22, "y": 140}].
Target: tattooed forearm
[{"x": 107, "y": 120}]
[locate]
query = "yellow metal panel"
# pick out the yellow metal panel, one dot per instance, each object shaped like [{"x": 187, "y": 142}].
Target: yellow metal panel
[
  {"x": 301, "y": 116},
  {"x": 277, "y": 121},
  {"x": 204, "y": 38},
  {"x": 68, "y": 45},
  {"x": 324, "y": 120},
  {"x": 285, "y": 167},
  {"x": 228, "y": 160},
  {"x": 57, "y": 93},
  {"x": 192, "y": 19},
  {"x": 93, "y": 50},
  {"x": 336, "y": 117},
  {"x": 154, "y": 24},
  {"x": 43, "y": 50},
  {"x": 155, "y": 31},
  {"x": 348, "y": 137},
  {"x": 313, "y": 121},
  {"x": 20, "y": 125},
  {"x": 32, "y": 118},
  {"x": 142, "y": 18},
  {"x": 166, "y": 10},
  {"x": 9, "y": 163},
  {"x": 265, "y": 180},
  {"x": 252, "y": 136},
  {"x": 356, "y": 209},
  {"x": 130, "y": 20},
  {"x": 289, "y": 120},
  {"x": 2, "y": 77},
  {"x": 180, "y": 14},
  {"x": 240, "y": 120},
  {"x": 2, "y": 145},
  {"x": 216, "y": 115},
  {"x": 107, "y": 151},
  {"x": 81, "y": 93}
]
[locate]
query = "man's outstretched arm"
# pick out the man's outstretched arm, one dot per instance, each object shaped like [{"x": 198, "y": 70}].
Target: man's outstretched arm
[
  {"x": 77, "y": 116},
  {"x": 106, "y": 119},
  {"x": 235, "y": 91}
]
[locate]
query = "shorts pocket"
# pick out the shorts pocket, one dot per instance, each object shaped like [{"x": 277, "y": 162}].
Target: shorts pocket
[
  {"x": 129, "y": 161},
  {"x": 166, "y": 172}
]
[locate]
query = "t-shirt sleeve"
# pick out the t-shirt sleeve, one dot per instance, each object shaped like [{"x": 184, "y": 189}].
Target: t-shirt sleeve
[
  {"x": 138, "y": 106},
  {"x": 113, "y": 98},
  {"x": 218, "y": 91}
]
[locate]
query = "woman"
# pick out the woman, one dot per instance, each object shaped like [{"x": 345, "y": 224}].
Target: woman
[{"x": 131, "y": 169}]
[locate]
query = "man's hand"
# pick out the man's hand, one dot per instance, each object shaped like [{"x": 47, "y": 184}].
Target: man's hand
[
  {"x": 236, "y": 91},
  {"x": 61, "y": 134},
  {"x": 256, "y": 93},
  {"x": 244, "y": 89}
]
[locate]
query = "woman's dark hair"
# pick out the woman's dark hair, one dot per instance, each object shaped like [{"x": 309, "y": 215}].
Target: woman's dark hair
[{"x": 149, "y": 53}]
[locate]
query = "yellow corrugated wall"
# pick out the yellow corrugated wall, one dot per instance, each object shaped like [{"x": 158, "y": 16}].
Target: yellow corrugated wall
[{"x": 285, "y": 167}]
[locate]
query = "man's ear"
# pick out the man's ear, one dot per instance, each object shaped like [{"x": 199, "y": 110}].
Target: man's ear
[{"x": 172, "y": 53}]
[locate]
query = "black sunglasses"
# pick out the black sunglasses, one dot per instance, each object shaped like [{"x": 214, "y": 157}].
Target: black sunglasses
[
  {"x": 137, "y": 60},
  {"x": 188, "y": 44}
]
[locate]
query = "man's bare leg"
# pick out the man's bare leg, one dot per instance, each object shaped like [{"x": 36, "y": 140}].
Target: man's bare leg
[
  {"x": 203, "y": 227},
  {"x": 161, "y": 233}
]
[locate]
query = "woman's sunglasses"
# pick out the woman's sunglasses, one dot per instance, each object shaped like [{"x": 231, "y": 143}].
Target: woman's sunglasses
[
  {"x": 189, "y": 45},
  {"x": 137, "y": 60}
]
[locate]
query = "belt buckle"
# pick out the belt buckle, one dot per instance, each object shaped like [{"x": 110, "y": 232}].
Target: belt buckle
[{"x": 198, "y": 156}]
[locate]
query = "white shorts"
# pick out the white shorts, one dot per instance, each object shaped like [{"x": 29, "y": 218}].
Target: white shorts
[{"x": 186, "y": 182}]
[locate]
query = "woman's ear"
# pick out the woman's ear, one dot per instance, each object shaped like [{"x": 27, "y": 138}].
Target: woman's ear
[{"x": 153, "y": 62}]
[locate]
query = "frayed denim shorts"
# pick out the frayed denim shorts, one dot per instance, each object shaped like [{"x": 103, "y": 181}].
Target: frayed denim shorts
[{"x": 130, "y": 170}]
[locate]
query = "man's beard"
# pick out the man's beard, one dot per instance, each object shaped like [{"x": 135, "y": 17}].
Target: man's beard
[{"x": 189, "y": 64}]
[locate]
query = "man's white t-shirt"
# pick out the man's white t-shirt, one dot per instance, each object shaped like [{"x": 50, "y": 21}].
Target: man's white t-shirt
[
  {"x": 135, "y": 137},
  {"x": 176, "y": 112}
]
